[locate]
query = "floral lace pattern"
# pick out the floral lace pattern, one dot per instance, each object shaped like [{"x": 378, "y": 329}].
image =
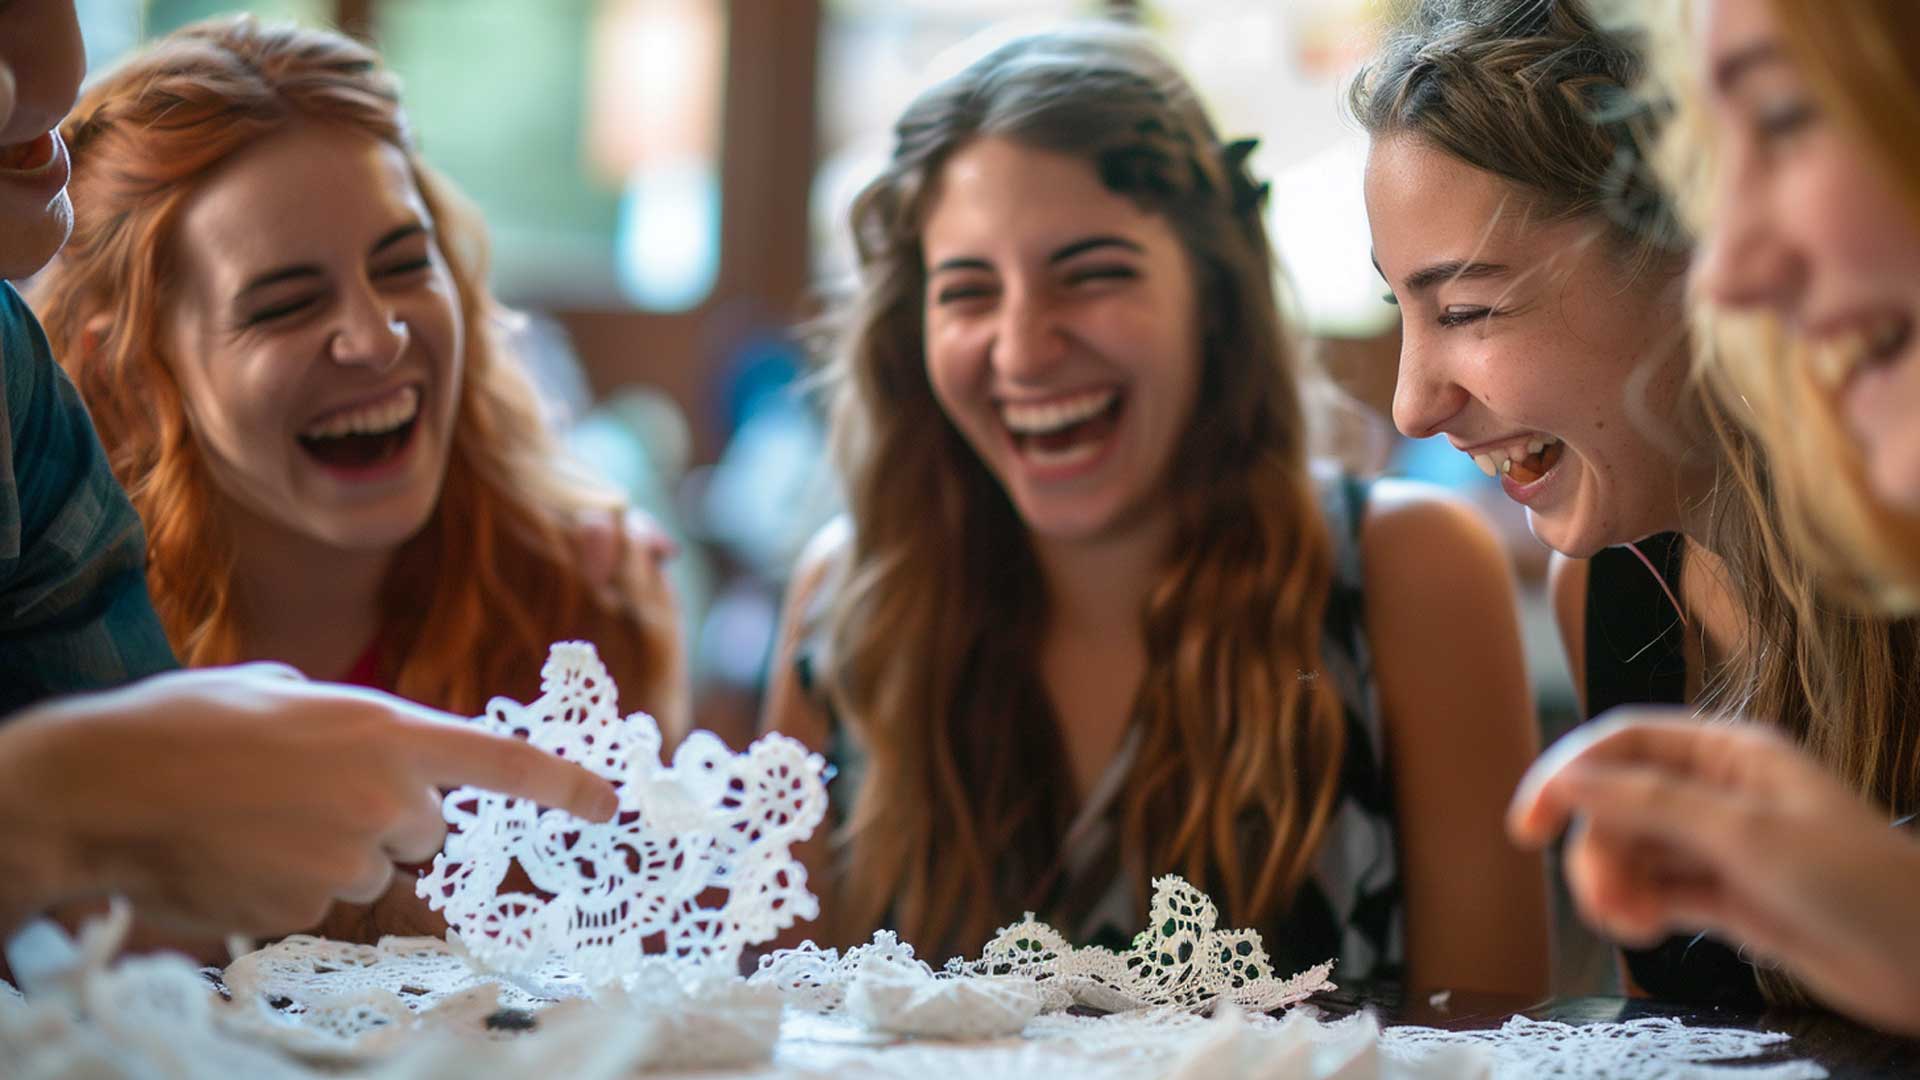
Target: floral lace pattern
[
  {"x": 157, "y": 1018},
  {"x": 1180, "y": 960},
  {"x": 712, "y": 823}
]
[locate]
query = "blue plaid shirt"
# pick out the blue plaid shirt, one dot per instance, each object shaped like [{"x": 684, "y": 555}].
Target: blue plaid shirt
[{"x": 74, "y": 612}]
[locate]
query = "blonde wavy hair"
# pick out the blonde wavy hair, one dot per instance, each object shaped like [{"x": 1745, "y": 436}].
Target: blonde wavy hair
[
  {"x": 1862, "y": 60},
  {"x": 937, "y": 611},
  {"x": 472, "y": 601},
  {"x": 1539, "y": 93}
]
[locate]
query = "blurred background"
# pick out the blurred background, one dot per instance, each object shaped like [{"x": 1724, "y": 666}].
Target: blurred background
[{"x": 666, "y": 182}]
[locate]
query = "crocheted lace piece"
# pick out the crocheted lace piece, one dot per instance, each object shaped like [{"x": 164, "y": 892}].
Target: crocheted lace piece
[
  {"x": 882, "y": 987},
  {"x": 713, "y": 824},
  {"x": 1168, "y": 1043},
  {"x": 157, "y": 1018},
  {"x": 1180, "y": 960}
]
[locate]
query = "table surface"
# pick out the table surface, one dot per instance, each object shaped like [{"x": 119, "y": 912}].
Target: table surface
[{"x": 1846, "y": 1049}]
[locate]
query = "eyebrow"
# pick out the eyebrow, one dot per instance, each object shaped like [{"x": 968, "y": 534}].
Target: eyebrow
[
  {"x": 1730, "y": 69},
  {"x": 1452, "y": 270},
  {"x": 1059, "y": 255},
  {"x": 309, "y": 270}
]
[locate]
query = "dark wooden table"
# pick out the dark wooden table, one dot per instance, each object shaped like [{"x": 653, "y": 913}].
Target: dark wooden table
[{"x": 1847, "y": 1050}]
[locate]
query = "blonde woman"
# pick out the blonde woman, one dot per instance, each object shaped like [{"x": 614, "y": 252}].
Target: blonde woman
[
  {"x": 1091, "y": 619},
  {"x": 1813, "y": 223},
  {"x": 1538, "y": 313}
]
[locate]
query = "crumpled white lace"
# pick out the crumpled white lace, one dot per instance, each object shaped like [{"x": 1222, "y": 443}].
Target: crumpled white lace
[
  {"x": 1179, "y": 960},
  {"x": 713, "y": 820},
  {"x": 156, "y": 1018},
  {"x": 885, "y": 989}
]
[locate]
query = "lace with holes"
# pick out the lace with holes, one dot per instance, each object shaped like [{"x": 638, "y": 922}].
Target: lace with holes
[
  {"x": 1180, "y": 960},
  {"x": 156, "y": 1018},
  {"x": 714, "y": 823}
]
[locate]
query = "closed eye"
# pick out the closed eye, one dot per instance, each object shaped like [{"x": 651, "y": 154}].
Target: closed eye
[
  {"x": 1102, "y": 273},
  {"x": 276, "y": 312},
  {"x": 403, "y": 269},
  {"x": 1461, "y": 315},
  {"x": 956, "y": 294}
]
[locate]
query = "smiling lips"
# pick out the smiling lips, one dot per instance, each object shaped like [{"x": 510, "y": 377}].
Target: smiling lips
[
  {"x": 30, "y": 156},
  {"x": 1865, "y": 345},
  {"x": 365, "y": 435},
  {"x": 1524, "y": 460},
  {"x": 1063, "y": 431}
]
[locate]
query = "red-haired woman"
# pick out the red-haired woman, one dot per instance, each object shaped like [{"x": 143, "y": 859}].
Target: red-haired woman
[{"x": 276, "y": 313}]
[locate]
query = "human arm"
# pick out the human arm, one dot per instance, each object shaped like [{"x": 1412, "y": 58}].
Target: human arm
[
  {"x": 792, "y": 711},
  {"x": 243, "y": 799},
  {"x": 1682, "y": 825},
  {"x": 74, "y": 613},
  {"x": 1460, "y": 731}
]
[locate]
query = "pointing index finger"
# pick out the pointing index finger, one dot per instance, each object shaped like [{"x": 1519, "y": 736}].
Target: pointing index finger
[{"x": 451, "y": 754}]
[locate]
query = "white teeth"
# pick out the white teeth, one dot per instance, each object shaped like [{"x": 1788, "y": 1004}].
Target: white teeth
[
  {"x": 1041, "y": 418},
  {"x": 388, "y": 414},
  {"x": 1499, "y": 460}
]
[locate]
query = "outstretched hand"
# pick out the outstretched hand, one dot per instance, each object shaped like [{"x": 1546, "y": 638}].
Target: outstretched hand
[
  {"x": 246, "y": 799},
  {"x": 1681, "y": 824}
]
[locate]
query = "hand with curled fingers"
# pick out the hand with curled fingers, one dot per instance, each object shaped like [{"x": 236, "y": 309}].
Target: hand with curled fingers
[
  {"x": 1678, "y": 823},
  {"x": 243, "y": 799},
  {"x": 624, "y": 555}
]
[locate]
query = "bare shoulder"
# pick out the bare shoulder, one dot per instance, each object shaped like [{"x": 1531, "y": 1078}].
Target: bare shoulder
[
  {"x": 1419, "y": 540},
  {"x": 788, "y": 708},
  {"x": 1439, "y": 592},
  {"x": 827, "y": 551}
]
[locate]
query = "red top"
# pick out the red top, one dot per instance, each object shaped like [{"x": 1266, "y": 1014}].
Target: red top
[{"x": 366, "y": 670}]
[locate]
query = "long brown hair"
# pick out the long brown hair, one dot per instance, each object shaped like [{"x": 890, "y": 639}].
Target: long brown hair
[
  {"x": 470, "y": 603},
  {"x": 937, "y": 613},
  {"x": 1536, "y": 92}
]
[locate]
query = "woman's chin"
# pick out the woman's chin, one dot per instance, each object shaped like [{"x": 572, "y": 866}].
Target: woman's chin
[{"x": 1564, "y": 536}]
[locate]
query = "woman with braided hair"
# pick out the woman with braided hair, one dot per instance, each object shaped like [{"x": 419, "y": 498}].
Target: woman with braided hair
[{"x": 1091, "y": 617}]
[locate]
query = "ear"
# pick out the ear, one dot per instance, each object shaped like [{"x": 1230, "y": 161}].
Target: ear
[{"x": 93, "y": 334}]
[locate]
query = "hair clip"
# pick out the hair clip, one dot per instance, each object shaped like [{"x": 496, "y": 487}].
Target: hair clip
[{"x": 1249, "y": 195}]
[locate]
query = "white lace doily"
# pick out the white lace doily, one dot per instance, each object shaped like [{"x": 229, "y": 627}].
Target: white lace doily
[
  {"x": 1168, "y": 1043},
  {"x": 1179, "y": 960},
  {"x": 157, "y": 1018},
  {"x": 698, "y": 860}
]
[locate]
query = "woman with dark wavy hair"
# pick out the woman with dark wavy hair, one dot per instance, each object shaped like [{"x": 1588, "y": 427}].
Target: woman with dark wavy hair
[{"x": 1091, "y": 617}]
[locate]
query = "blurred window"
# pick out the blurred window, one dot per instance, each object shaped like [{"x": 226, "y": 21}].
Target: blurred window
[
  {"x": 1277, "y": 71},
  {"x": 587, "y": 131}
]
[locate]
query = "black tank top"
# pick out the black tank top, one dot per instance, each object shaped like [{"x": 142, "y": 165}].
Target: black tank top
[{"x": 1636, "y": 655}]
